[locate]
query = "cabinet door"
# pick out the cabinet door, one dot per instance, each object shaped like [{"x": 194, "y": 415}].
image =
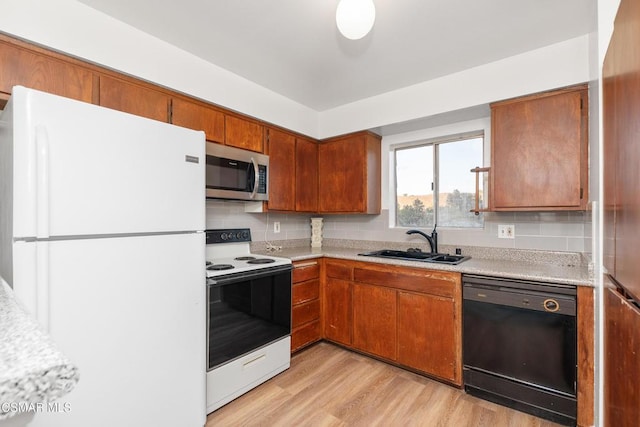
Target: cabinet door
[
  {"x": 428, "y": 338},
  {"x": 198, "y": 117},
  {"x": 341, "y": 166},
  {"x": 622, "y": 370},
  {"x": 337, "y": 310},
  {"x": 131, "y": 98},
  {"x": 539, "y": 152},
  {"x": 306, "y": 175},
  {"x": 374, "y": 320},
  {"x": 36, "y": 71},
  {"x": 243, "y": 133},
  {"x": 282, "y": 158}
]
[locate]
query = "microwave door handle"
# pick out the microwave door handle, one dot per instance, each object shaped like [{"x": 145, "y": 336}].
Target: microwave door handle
[{"x": 256, "y": 176}]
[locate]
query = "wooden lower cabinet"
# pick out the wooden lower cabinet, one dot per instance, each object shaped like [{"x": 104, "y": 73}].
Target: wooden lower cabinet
[
  {"x": 337, "y": 310},
  {"x": 409, "y": 316},
  {"x": 305, "y": 300},
  {"x": 374, "y": 320},
  {"x": 428, "y": 338}
]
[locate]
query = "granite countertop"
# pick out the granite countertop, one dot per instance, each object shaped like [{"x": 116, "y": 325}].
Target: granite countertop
[
  {"x": 525, "y": 265},
  {"x": 32, "y": 370}
]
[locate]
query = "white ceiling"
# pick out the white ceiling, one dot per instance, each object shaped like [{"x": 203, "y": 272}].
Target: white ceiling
[{"x": 293, "y": 47}]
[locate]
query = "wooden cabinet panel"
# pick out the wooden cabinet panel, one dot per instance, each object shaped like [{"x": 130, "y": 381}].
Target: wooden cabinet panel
[
  {"x": 304, "y": 313},
  {"x": 430, "y": 282},
  {"x": 622, "y": 370},
  {"x": 539, "y": 151},
  {"x": 131, "y": 98},
  {"x": 305, "y": 335},
  {"x": 586, "y": 356},
  {"x": 243, "y": 133},
  {"x": 339, "y": 270},
  {"x": 337, "y": 310},
  {"x": 306, "y": 291},
  {"x": 38, "y": 71},
  {"x": 199, "y": 117},
  {"x": 306, "y": 184},
  {"x": 428, "y": 335},
  {"x": 305, "y": 270},
  {"x": 305, "y": 299},
  {"x": 374, "y": 320},
  {"x": 282, "y": 158},
  {"x": 349, "y": 174}
]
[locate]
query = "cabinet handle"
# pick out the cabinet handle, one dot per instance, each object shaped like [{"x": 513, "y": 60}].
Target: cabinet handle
[{"x": 306, "y": 264}]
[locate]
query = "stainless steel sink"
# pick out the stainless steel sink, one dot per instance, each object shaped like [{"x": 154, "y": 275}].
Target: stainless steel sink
[{"x": 416, "y": 255}]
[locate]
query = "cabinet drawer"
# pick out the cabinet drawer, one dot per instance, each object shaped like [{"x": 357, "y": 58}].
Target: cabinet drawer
[
  {"x": 305, "y": 335},
  {"x": 306, "y": 291},
  {"x": 305, "y": 271},
  {"x": 303, "y": 313},
  {"x": 338, "y": 271},
  {"x": 430, "y": 282}
]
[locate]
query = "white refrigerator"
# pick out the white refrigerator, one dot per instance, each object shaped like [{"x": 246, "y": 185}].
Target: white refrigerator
[{"x": 102, "y": 216}]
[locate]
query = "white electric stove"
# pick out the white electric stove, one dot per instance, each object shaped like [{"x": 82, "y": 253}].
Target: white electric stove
[{"x": 248, "y": 316}]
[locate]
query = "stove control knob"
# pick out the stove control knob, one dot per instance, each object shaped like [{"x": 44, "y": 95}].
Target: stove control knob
[
  {"x": 239, "y": 235},
  {"x": 224, "y": 236}
]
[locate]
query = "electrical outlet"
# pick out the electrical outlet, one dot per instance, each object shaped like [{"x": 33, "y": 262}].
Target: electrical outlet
[
  {"x": 276, "y": 226},
  {"x": 506, "y": 231}
]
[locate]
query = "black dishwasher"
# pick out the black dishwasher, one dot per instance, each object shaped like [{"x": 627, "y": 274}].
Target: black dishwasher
[{"x": 519, "y": 345}]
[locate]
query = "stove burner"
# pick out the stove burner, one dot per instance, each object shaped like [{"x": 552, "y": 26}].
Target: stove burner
[
  {"x": 220, "y": 267},
  {"x": 261, "y": 261},
  {"x": 208, "y": 263},
  {"x": 245, "y": 258}
]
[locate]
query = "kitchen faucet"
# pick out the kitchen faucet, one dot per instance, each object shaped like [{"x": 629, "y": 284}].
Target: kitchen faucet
[{"x": 433, "y": 239}]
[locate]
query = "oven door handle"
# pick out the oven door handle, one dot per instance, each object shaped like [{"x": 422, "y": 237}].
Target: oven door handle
[{"x": 248, "y": 275}]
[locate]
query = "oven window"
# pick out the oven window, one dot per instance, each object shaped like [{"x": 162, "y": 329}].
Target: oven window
[{"x": 247, "y": 314}]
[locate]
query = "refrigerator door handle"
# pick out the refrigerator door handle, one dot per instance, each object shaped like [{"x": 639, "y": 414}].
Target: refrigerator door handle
[
  {"x": 42, "y": 284},
  {"x": 42, "y": 182}
]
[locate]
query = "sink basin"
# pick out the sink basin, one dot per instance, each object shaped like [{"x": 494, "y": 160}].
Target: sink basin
[
  {"x": 413, "y": 255},
  {"x": 448, "y": 259},
  {"x": 404, "y": 255}
]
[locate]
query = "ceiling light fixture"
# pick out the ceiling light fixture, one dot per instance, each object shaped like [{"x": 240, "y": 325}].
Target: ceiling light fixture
[{"x": 355, "y": 18}]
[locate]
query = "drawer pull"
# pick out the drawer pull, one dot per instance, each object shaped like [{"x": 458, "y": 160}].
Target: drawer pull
[
  {"x": 306, "y": 264},
  {"x": 252, "y": 362}
]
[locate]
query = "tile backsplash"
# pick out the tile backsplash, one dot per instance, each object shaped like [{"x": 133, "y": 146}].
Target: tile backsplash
[{"x": 552, "y": 231}]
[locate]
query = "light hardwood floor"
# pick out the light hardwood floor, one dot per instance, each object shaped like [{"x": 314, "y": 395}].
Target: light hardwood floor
[{"x": 330, "y": 386}]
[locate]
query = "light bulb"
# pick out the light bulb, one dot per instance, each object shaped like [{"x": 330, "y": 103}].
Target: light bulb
[{"x": 355, "y": 18}]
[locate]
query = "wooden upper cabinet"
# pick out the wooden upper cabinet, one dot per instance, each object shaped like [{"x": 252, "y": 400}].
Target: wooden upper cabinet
[
  {"x": 539, "y": 151},
  {"x": 282, "y": 158},
  {"x": 243, "y": 133},
  {"x": 349, "y": 174},
  {"x": 306, "y": 175},
  {"x": 199, "y": 117},
  {"x": 27, "y": 68},
  {"x": 132, "y": 98}
]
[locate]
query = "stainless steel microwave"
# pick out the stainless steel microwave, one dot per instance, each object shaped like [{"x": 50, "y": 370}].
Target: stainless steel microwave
[{"x": 236, "y": 174}]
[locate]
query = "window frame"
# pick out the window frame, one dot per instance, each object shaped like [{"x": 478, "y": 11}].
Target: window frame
[{"x": 435, "y": 142}]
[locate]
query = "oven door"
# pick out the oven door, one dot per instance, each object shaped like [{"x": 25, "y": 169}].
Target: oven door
[
  {"x": 236, "y": 174},
  {"x": 247, "y": 311}
]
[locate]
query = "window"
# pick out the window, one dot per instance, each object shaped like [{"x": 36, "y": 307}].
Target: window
[{"x": 434, "y": 184}]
